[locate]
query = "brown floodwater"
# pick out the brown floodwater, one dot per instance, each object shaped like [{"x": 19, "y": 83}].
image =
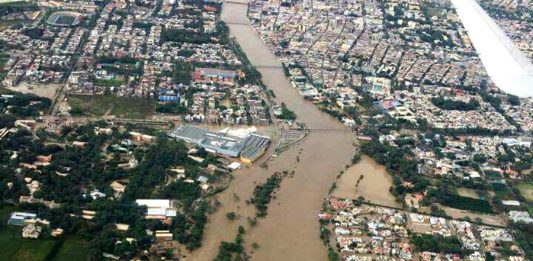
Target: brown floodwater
[
  {"x": 290, "y": 231},
  {"x": 373, "y": 186}
]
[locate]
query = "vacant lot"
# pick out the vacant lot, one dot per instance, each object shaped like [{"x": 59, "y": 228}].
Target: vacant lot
[
  {"x": 466, "y": 192},
  {"x": 486, "y": 218},
  {"x": 124, "y": 107},
  {"x": 526, "y": 190}
]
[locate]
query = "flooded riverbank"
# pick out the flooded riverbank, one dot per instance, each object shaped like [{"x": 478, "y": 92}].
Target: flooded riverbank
[
  {"x": 290, "y": 231},
  {"x": 373, "y": 186}
]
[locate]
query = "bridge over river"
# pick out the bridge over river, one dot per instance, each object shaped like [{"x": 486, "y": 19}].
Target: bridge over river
[{"x": 291, "y": 229}]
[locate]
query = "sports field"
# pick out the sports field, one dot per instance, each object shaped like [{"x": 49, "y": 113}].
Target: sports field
[
  {"x": 63, "y": 18},
  {"x": 67, "y": 20}
]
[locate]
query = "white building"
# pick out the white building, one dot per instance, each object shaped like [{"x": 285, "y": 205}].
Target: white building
[
  {"x": 158, "y": 208},
  {"x": 520, "y": 216}
]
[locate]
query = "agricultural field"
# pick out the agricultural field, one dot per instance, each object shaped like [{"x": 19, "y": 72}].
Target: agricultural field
[{"x": 102, "y": 105}]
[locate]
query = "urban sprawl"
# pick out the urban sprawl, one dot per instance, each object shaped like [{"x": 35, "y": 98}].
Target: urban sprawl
[{"x": 121, "y": 121}]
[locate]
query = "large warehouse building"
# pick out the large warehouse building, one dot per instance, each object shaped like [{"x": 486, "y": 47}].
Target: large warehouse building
[{"x": 248, "y": 148}]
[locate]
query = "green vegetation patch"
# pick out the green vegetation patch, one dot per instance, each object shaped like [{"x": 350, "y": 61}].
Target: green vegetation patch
[
  {"x": 15, "y": 247},
  {"x": 526, "y": 190},
  {"x": 171, "y": 107},
  {"x": 449, "y": 104},
  {"x": 466, "y": 203},
  {"x": 110, "y": 82},
  {"x": 502, "y": 191},
  {"x": 524, "y": 237},
  {"x": 24, "y": 105},
  {"x": 99, "y": 105},
  {"x": 436, "y": 243},
  {"x": 286, "y": 114},
  {"x": 3, "y": 62},
  {"x": 492, "y": 174},
  {"x": 72, "y": 250},
  {"x": 263, "y": 194}
]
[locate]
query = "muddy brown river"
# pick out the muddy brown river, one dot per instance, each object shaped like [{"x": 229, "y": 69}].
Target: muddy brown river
[{"x": 290, "y": 231}]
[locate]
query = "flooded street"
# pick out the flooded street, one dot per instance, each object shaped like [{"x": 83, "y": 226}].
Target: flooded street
[{"x": 290, "y": 231}]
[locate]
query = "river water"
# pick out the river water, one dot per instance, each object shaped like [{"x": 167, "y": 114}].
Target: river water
[{"x": 291, "y": 229}]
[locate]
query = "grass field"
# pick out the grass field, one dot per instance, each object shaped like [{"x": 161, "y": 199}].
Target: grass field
[
  {"x": 110, "y": 82},
  {"x": 526, "y": 190},
  {"x": 125, "y": 107},
  {"x": 492, "y": 174},
  {"x": 16, "y": 248},
  {"x": 502, "y": 191},
  {"x": 4, "y": 209},
  {"x": 72, "y": 250},
  {"x": 3, "y": 62}
]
